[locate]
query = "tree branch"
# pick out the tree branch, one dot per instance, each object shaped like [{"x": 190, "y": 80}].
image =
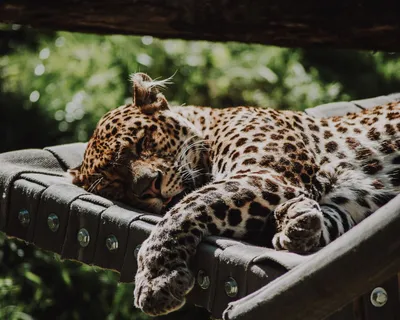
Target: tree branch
[{"x": 356, "y": 24}]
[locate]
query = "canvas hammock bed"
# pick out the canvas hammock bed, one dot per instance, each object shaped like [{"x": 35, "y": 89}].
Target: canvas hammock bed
[{"x": 355, "y": 277}]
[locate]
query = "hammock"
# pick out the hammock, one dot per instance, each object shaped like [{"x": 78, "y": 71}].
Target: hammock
[{"x": 39, "y": 205}]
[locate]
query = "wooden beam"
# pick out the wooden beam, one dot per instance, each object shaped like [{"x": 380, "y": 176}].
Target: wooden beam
[
  {"x": 357, "y": 24},
  {"x": 353, "y": 264}
]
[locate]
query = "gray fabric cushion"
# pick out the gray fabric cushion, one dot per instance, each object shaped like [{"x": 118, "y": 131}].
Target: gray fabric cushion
[
  {"x": 69, "y": 155},
  {"x": 35, "y": 180},
  {"x": 12, "y": 164},
  {"x": 343, "y": 107}
]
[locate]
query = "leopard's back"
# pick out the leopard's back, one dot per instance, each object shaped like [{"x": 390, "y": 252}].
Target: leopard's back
[{"x": 352, "y": 161}]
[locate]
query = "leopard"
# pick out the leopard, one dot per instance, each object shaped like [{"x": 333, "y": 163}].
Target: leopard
[{"x": 236, "y": 172}]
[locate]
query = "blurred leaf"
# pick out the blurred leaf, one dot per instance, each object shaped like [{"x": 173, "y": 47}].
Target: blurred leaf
[
  {"x": 66, "y": 277},
  {"x": 33, "y": 277}
]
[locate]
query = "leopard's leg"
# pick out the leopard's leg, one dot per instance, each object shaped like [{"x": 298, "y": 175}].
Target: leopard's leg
[
  {"x": 304, "y": 225},
  {"x": 349, "y": 196},
  {"x": 233, "y": 208}
]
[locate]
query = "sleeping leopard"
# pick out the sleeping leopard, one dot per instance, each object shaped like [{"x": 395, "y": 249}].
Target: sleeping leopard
[{"x": 236, "y": 172}]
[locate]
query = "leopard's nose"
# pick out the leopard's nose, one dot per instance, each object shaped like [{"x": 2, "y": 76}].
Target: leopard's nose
[
  {"x": 155, "y": 186},
  {"x": 154, "y": 189},
  {"x": 143, "y": 181}
]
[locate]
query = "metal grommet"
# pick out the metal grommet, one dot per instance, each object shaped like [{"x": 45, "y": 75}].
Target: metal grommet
[
  {"x": 83, "y": 237},
  {"x": 136, "y": 251},
  {"x": 24, "y": 217},
  {"x": 231, "y": 287},
  {"x": 379, "y": 297},
  {"x": 203, "y": 280},
  {"x": 53, "y": 222},
  {"x": 112, "y": 243}
]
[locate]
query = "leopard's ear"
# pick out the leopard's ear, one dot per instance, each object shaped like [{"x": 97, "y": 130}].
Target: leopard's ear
[
  {"x": 146, "y": 94},
  {"x": 75, "y": 175}
]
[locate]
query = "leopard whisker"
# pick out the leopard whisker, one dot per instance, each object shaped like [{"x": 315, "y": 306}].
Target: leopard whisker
[{"x": 94, "y": 184}]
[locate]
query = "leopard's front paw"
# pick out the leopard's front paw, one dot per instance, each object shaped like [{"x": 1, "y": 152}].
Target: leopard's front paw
[
  {"x": 161, "y": 283},
  {"x": 300, "y": 221},
  {"x": 164, "y": 293}
]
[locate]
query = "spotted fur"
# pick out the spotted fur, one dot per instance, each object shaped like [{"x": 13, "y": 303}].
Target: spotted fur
[{"x": 245, "y": 171}]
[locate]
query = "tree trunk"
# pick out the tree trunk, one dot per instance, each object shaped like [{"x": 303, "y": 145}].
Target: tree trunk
[{"x": 360, "y": 24}]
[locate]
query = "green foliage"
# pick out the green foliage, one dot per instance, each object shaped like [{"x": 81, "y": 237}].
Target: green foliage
[
  {"x": 75, "y": 78},
  {"x": 55, "y": 86},
  {"x": 34, "y": 283}
]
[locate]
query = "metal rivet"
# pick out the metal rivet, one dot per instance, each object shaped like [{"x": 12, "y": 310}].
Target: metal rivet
[
  {"x": 203, "y": 280},
  {"x": 53, "y": 222},
  {"x": 136, "y": 251},
  {"x": 379, "y": 297},
  {"x": 83, "y": 237},
  {"x": 24, "y": 217},
  {"x": 112, "y": 243},
  {"x": 231, "y": 287}
]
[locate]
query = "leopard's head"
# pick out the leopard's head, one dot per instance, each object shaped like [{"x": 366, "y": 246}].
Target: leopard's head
[{"x": 143, "y": 154}]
